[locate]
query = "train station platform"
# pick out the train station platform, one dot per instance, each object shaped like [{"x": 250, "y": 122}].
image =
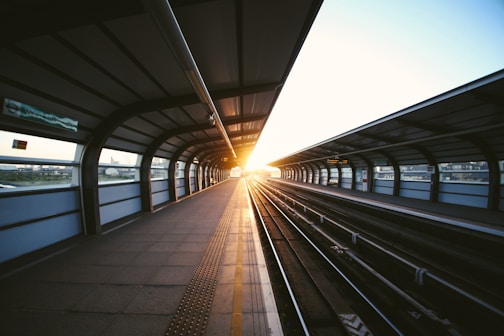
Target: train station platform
[
  {"x": 192, "y": 267},
  {"x": 472, "y": 218}
]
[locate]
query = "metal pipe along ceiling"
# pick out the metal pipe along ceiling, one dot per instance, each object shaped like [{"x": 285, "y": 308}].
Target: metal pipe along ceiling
[{"x": 162, "y": 13}]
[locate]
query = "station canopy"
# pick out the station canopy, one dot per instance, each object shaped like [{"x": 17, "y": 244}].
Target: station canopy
[
  {"x": 130, "y": 78},
  {"x": 462, "y": 125}
]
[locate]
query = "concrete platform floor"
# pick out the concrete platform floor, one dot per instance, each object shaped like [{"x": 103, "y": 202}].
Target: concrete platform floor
[{"x": 153, "y": 276}]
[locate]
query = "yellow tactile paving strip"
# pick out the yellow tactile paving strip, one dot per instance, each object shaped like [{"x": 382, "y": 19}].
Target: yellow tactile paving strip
[{"x": 194, "y": 310}]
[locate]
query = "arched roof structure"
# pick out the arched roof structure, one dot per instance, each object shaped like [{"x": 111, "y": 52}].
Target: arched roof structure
[
  {"x": 122, "y": 70},
  {"x": 182, "y": 80},
  {"x": 464, "y": 124}
]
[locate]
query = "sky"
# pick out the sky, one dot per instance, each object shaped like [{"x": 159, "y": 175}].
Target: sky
[{"x": 365, "y": 59}]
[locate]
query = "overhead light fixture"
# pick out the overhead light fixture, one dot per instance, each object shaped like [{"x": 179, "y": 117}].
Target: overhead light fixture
[{"x": 211, "y": 119}]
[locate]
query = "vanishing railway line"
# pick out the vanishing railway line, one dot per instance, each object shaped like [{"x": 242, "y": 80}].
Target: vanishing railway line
[
  {"x": 306, "y": 296},
  {"x": 366, "y": 274},
  {"x": 463, "y": 255}
]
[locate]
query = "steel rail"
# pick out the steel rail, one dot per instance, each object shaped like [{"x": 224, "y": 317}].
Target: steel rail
[{"x": 280, "y": 266}]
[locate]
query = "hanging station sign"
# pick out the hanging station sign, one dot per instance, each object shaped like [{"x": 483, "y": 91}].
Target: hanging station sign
[
  {"x": 336, "y": 161},
  {"x": 16, "y": 109}
]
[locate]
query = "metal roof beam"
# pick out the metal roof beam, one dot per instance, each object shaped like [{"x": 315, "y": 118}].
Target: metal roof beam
[{"x": 163, "y": 15}]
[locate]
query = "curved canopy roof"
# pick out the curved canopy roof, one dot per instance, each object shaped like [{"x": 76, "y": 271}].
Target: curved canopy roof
[
  {"x": 464, "y": 124},
  {"x": 117, "y": 68}
]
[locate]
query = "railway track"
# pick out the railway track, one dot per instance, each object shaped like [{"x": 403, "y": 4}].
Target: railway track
[
  {"x": 326, "y": 301},
  {"x": 309, "y": 303},
  {"x": 458, "y": 270},
  {"x": 468, "y": 257},
  {"x": 386, "y": 304}
]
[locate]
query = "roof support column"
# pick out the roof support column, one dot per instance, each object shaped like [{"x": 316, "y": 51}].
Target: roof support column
[
  {"x": 370, "y": 178},
  {"x": 353, "y": 182},
  {"x": 204, "y": 175},
  {"x": 397, "y": 179},
  {"x": 197, "y": 177},
  {"x": 315, "y": 173},
  {"x": 172, "y": 182},
  {"x": 339, "y": 176},
  {"x": 299, "y": 174},
  {"x": 434, "y": 187},
  {"x": 89, "y": 189},
  {"x": 309, "y": 173},
  {"x": 325, "y": 166},
  {"x": 187, "y": 177},
  {"x": 290, "y": 173},
  {"x": 493, "y": 184},
  {"x": 145, "y": 183}
]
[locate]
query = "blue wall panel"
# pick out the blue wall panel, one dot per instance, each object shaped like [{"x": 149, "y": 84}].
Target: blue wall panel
[
  {"x": 474, "y": 201},
  {"x": 464, "y": 194},
  {"x": 413, "y": 189},
  {"x": 160, "y": 185},
  {"x": 19, "y": 240},
  {"x": 462, "y": 188},
  {"x": 118, "y": 192},
  {"x": 160, "y": 192},
  {"x": 384, "y": 187},
  {"x": 22, "y": 208},
  {"x": 193, "y": 184},
  {"x": 346, "y": 183},
  {"x": 425, "y": 186},
  {"x": 118, "y": 201},
  {"x": 114, "y": 211},
  {"x": 160, "y": 197},
  {"x": 180, "y": 188},
  {"x": 383, "y": 190}
]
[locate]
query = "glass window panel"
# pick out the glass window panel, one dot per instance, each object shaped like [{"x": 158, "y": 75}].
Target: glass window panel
[
  {"x": 28, "y": 161},
  {"x": 118, "y": 166},
  {"x": 158, "y": 162},
  {"x": 30, "y": 146},
  {"x": 419, "y": 173},
  {"x": 159, "y": 168},
  {"x": 346, "y": 172},
  {"x": 383, "y": 172},
  {"x": 464, "y": 172},
  {"x": 334, "y": 176},
  {"x": 28, "y": 175},
  {"x": 179, "y": 169},
  {"x": 117, "y": 174},
  {"x": 159, "y": 174},
  {"x": 358, "y": 175},
  {"x": 116, "y": 157}
]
